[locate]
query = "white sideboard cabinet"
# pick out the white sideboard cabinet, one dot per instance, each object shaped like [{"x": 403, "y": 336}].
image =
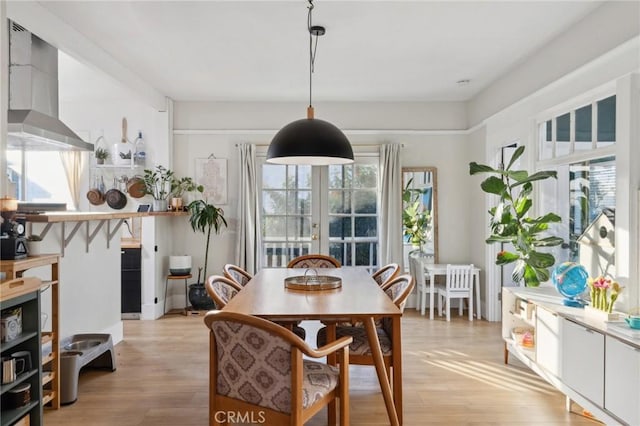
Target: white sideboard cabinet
[
  {"x": 594, "y": 363},
  {"x": 622, "y": 380}
]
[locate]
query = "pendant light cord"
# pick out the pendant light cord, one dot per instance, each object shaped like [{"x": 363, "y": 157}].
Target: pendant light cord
[{"x": 312, "y": 49}]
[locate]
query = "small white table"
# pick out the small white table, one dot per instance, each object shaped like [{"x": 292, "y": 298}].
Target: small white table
[{"x": 433, "y": 269}]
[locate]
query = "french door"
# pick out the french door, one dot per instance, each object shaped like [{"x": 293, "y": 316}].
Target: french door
[{"x": 320, "y": 209}]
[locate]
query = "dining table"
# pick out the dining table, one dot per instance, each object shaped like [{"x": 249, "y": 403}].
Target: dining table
[
  {"x": 434, "y": 269},
  {"x": 359, "y": 298}
]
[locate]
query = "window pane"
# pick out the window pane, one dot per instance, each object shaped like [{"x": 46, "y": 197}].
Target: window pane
[
  {"x": 364, "y": 201},
  {"x": 299, "y": 177},
  {"x": 299, "y": 228},
  {"x": 274, "y": 176},
  {"x": 42, "y": 180},
  {"x": 273, "y": 228},
  {"x": 342, "y": 252},
  {"x": 365, "y": 254},
  {"x": 546, "y": 145},
  {"x": 340, "y": 176},
  {"x": 592, "y": 188},
  {"x": 273, "y": 202},
  {"x": 366, "y": 226},
  {"x": 366, "y": 176},
  {"x": 339, "y": 202},
  {"x": 299, "y": 202},
  {"x": 340, "y": 227},
  {"x": 583, "y": 128},
  {"x": 563, "y": 126},
  {"x": 607, "y": 121}
]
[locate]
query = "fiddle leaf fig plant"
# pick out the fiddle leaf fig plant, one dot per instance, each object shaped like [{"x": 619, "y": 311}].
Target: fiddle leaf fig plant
[{"x": 511, "y": 223}]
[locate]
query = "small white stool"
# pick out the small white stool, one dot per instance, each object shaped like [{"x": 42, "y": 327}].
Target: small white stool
[{"x": 186, "y": 297}]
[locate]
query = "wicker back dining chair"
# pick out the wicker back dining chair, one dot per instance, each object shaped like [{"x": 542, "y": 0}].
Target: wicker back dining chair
[
  {"x": 386, "y": 273},
  {"x": 314, "y": 261},
  {"x": 257, "y": 370},
  {"x": 221, "y": 289},
  {"x": 237, "y": 274},
  {"x": 398, "y": 291}
]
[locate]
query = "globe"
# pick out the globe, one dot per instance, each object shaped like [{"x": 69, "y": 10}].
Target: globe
[{"x": 570, "y": 279}]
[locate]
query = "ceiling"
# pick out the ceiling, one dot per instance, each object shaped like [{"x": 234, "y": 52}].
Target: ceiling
[{"x": 373, "y": 50}]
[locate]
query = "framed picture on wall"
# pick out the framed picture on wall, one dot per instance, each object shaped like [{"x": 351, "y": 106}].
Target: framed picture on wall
[{"x": 212, "y": 174}]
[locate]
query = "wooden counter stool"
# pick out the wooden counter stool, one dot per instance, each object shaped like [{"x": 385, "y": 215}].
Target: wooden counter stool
[{"x": 186, "y": 297}]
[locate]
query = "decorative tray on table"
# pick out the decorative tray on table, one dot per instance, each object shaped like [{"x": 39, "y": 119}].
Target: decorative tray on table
[{"x": 312, "y": 282}]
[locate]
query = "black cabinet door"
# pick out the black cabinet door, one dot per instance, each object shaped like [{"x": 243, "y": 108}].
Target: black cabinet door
[{"x": 131, "y": 281}]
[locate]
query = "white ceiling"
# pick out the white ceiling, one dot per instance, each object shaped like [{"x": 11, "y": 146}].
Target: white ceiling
[{"x": 373, "y": 50}]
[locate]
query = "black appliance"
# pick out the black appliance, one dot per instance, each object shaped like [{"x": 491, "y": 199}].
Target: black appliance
[
  {"x": 131, "y": 281},
  {"x": 13, "y": 244}
]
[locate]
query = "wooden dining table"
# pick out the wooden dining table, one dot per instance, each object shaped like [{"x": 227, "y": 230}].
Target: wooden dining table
[{"x": 359, "y": 298}]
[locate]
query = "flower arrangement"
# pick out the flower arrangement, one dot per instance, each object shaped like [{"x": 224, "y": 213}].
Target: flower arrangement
[{"x": 604, "y": 293}]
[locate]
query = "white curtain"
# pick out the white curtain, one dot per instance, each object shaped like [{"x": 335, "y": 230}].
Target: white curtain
[
  {"x": 248, "y": 235},
  {"x": 390, "y": 218},
  {"x": 73, "y": 164}
]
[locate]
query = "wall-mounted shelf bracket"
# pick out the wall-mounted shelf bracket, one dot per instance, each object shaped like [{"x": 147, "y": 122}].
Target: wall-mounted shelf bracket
[
  {"x": 66, "y": 240},
  {"x": 110, "y": 233},
  {"x": 92, "y": 234}
]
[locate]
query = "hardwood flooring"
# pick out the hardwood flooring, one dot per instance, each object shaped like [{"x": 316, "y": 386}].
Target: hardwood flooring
[{"x": 453, "y": 375}]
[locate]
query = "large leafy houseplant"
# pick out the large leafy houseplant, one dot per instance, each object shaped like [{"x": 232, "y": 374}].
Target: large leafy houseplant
[
  {"x": 510, "y": 222},
  {"x": 205, "y": 218}
]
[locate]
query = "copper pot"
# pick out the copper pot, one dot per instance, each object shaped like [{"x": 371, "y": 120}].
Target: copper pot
[{"x": 136, "y": 187}]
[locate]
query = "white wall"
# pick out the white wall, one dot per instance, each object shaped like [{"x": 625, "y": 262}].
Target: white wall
[
  {"x": 89, "y": 282},
  {"x": 223, "y": 125},
  {"x": 609, "y": 26}
]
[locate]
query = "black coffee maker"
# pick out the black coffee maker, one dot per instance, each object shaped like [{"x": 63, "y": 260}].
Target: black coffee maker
[{"x": 12, "y": 231}]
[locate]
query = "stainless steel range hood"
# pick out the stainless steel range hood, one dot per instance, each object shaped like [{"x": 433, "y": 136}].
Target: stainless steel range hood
[{"x": 33, "y": 122}]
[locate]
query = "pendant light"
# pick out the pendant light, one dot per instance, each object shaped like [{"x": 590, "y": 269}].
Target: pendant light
[{"x": 310, "y": 140}]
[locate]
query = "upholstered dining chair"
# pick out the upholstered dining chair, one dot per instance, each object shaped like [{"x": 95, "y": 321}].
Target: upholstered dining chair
[
  {"x": 257, "y": 370},
  {"x": 237, "y": 274},
  {"x": 398, "y": 291},
  {"x": 416, "y": 269},
  {"x": 314, "y": 261},
  {"x": 222, "y": 289},
  {"x": 458, "y": 285},
  {"x": 386, "y": 273}
]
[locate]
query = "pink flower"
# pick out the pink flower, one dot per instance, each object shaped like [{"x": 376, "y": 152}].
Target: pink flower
[{"x": 602, "y": 282}]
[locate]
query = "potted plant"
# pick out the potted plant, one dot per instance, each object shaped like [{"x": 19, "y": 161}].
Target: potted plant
[
  {"x": 182, "y": 186},
  {"x": 101, "y": 154},
  {"x": 34, "y": 243},
  {"x": 158, "y": 184},
  {"x": 204, "y": 218},
  {"x": 510, "y": 221},
  {"x": 416, "y": 220}
]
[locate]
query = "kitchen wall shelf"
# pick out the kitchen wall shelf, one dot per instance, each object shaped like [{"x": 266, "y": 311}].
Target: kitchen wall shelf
[{"x": 46, "y": 345}]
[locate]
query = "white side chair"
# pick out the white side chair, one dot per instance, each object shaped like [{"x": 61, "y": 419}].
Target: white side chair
[
  {"x": 416, "y": 269},
  {"x": 459, "y": 285}
]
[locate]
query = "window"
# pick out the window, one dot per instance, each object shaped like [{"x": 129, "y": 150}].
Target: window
[
  {"x": 329, "y": 209},
  {"x": 574, "y": 131},
  {"x": 592, "y": 188},
  {"x": 38, "y": 176}
]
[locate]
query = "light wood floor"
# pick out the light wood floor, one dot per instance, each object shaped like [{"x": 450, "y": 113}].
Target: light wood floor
[{"x": 453, "y": 375}]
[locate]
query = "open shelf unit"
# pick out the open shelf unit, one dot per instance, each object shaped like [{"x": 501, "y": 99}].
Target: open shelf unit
[{"x": 48, "y": 344}]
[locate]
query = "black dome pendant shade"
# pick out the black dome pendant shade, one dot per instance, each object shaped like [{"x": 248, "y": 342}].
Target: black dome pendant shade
[{"x": 309, "y": 140}]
